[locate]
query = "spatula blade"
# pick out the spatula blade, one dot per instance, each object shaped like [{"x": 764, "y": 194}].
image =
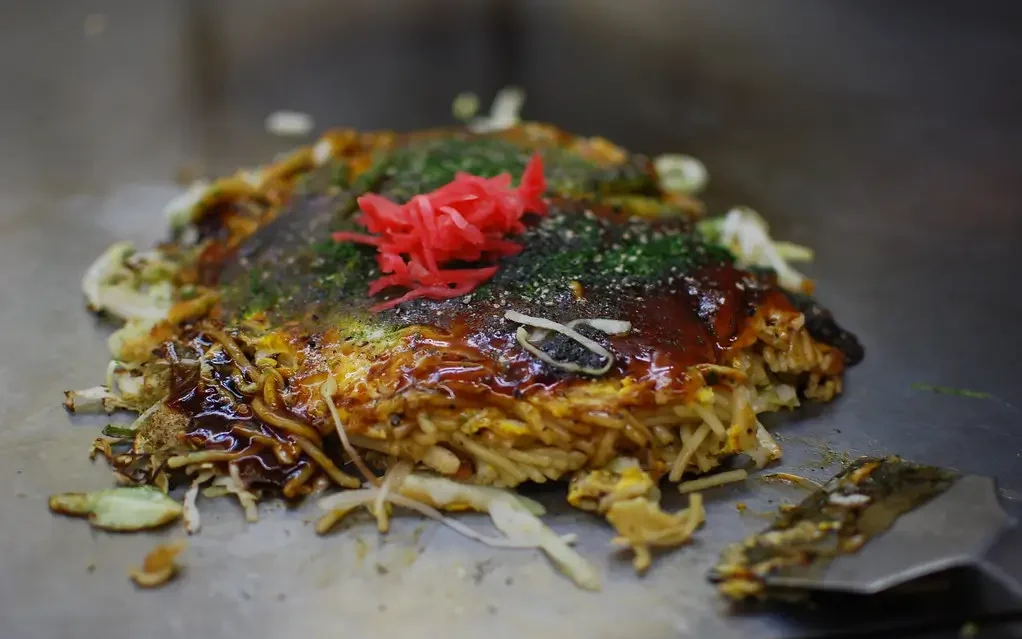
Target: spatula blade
[
  {"x": 880, "y": 523},
  {"x": 951, "y": 530}
]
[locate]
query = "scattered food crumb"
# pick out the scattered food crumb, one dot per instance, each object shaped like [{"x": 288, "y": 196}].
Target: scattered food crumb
[
  {"x": 361, "y": 548},
  {"x": 741, "y": 506},
  {"x": 158, "y": 567},
  {"x": 381, "y": 569},
  {"x": 417, "y": 534},
  {"x": 482, "y": 567},
  {"x": 126, "y": 508},
  {"x": 1008, "y": 493},
  {"x": 91, "y": 567},
  {"x": 289, "y": 123}
]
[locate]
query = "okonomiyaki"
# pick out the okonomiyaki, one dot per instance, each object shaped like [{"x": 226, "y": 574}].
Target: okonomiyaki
[{"x": 429, "y": 320}]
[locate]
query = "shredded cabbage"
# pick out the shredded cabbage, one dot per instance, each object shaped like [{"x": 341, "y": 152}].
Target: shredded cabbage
[
  {"x": 392, "y": 481},
  {"x": 746, "y": 234},
  {"x": 190, "y": 512},
  {"x": 133, "y": 330},
  {"x": 322, "y": 152},
  {"x": 515, "y": 516},
  {"x": 110, "y": 285},
  {"x": 794, "y": 252},
  {"x": 90, "y": 400},
  {"x": 775, "y": 397},
  {"x": 504, "y": 112},
  {"x": 180, "y": 211},
  {"x": 234, "y": 485},
  {"x": 521, "y": 525},
  {"x": 126, "y": 508},
  {"x": 767, "y": 451},
  {"x": 680, "y": 173},
  {"x": 289, "y": 123},
  {"x": 442, "y": 493},
  {"x": 343, "y": 503}
]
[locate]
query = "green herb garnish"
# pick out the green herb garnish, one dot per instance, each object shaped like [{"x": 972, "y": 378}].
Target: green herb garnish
[
  {"x": 426, "y": 165},
  {"x": 948, "y": 390},
  {"x": 120, "y": 432}
]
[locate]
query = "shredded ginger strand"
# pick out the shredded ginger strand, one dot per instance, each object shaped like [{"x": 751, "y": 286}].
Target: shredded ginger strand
[{"x": 467, "y": 220}]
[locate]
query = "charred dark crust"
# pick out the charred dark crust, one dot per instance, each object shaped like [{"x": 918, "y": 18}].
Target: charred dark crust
[{"x": 821, "y": 325}]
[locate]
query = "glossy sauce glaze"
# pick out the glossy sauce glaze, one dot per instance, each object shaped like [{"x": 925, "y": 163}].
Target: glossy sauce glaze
[
  {"x": 468, "y": 355},
  {"x": 222, "y": 419},
  {"x": 685, "y": 301},
  {"x": 701, "y": 322}
]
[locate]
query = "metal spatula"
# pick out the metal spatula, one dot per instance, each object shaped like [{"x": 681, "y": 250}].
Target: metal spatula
[{"x": 879, "y": 524}]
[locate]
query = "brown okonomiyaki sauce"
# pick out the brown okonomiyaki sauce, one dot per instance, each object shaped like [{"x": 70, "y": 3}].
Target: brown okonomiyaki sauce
[
  {"x": 475, "y": 359},
  {"x": 218, "y": 411},
  {"x": 685, "y": 301},
  {"x": 670, "y": 333}
]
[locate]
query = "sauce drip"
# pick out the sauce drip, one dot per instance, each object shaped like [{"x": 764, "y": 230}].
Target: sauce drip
[{"x": 216, "y": 408}]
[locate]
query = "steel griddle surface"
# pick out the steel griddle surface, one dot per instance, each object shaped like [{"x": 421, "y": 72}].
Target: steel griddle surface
[{"x": 885, "y": 136}]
